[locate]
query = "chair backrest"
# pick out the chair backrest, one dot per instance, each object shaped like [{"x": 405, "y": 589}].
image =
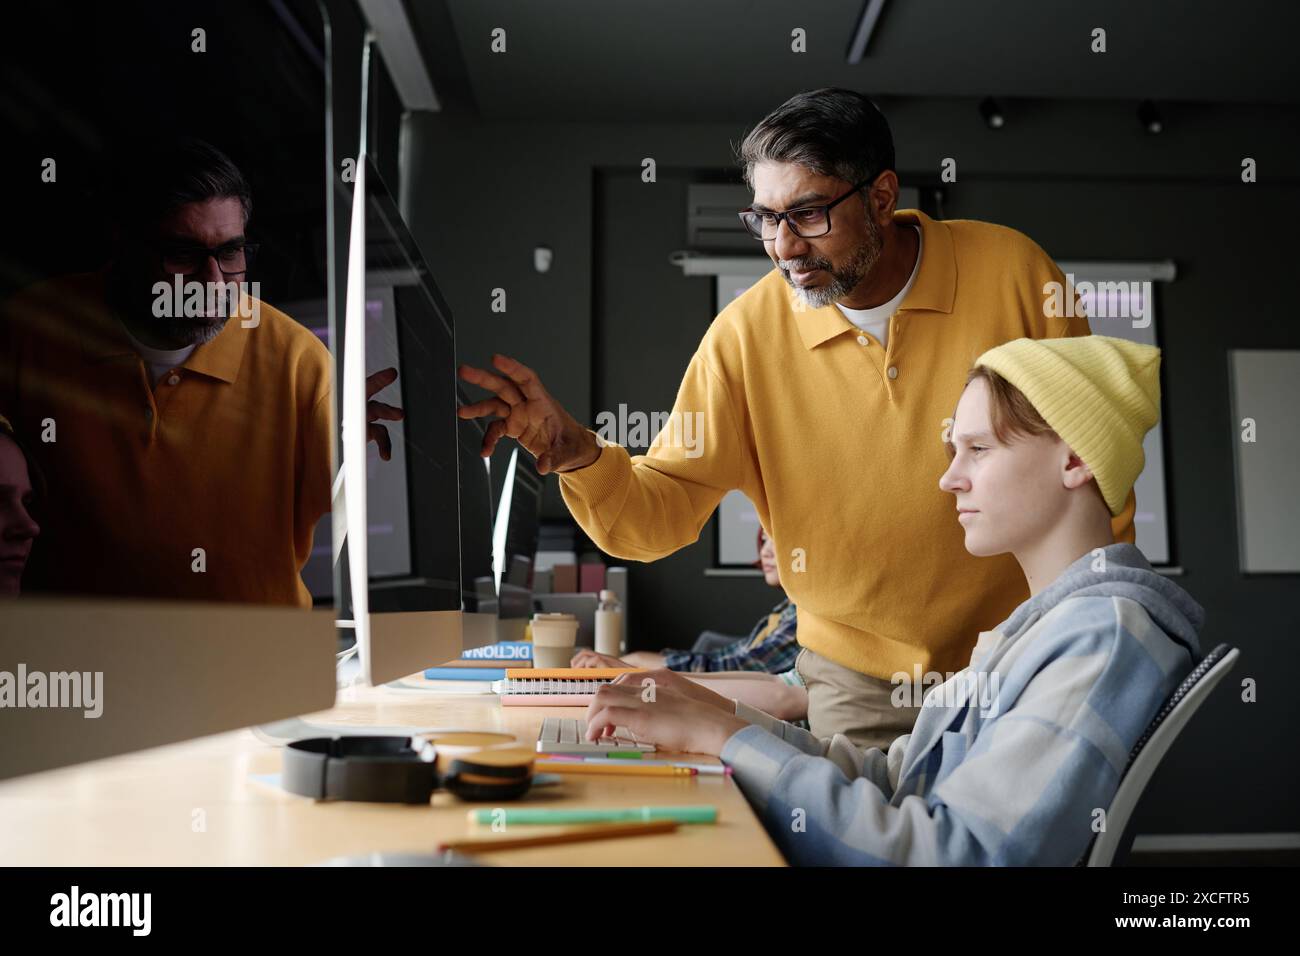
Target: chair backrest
[{"x": 1152, "y": 747}]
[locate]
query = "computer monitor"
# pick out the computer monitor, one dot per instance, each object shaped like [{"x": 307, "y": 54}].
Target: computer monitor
[
  {"x": 387, "y": 504},
  {"x": 387, "y": 499},
  {"x": 478, "y": 582},
  {"x": 515, "y": 535},
  {"x": 410, "y": 567},
  {"x": 399, "y": 566}
]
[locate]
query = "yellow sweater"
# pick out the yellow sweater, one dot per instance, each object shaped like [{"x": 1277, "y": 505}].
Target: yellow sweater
[{"x": 841, "y": 460}]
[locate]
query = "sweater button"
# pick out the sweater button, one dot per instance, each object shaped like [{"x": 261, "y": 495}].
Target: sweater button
[
  {"x": 863, "y": 340},
  {"x": 893, "y": 371}
]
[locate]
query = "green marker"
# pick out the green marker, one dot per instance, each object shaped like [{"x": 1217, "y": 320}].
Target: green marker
[{"x": 501, "y": 815}]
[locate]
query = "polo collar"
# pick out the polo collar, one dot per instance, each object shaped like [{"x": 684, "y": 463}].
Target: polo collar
[
  {"x": 222, "y": 357},
  {"x": 103, "y": 337},
  {"x": 934, "y": 290}
]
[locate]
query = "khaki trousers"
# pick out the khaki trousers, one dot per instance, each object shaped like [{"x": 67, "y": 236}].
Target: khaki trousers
[{"x": 844, "y": 701}]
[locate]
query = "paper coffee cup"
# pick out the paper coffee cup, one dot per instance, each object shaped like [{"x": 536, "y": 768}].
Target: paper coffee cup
[{"x": 555, "y": 637}]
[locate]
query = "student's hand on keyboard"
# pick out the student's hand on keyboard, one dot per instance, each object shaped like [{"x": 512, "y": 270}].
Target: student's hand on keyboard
[
  {"x": 681, "y": 684},
  {"x": 662, "y": 716},
  {"x": 586, "y": 657}
]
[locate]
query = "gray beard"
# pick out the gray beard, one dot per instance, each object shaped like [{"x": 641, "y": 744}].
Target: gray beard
[
  {"x": 187, "y": 331},
  {"x": 844, "y": 279},
  {"x": 178, "y": 333},
  {"x": 190, "y": 330}
]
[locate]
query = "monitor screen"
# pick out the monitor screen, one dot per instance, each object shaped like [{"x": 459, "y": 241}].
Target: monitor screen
[
  {"x": 388, "y": 509},
  {"x": 517, "y": 519},
  {"x": 413, "y": 507},
  {"x": 478, "y": 584}
]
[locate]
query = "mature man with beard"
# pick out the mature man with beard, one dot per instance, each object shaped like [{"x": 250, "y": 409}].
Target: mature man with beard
[
  {"x": 185, "y": 440},
  {"x": 826, "y": 389}
]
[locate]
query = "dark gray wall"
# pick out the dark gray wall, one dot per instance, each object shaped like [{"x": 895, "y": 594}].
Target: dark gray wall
[
  {"x": 649, "y": 322},
  {"x": 614, "y": 322}
]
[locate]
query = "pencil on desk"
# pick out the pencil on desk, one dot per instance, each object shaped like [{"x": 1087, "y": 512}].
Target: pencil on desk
[
  {"x": 549, "y": 816},
  {"x": 656, "y": 770},
  {"x": 719, "y": 769},
  {"x": 599, "y": 831}
]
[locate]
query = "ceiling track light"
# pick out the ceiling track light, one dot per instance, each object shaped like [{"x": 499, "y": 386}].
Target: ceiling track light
[
  {"x": 867, "y": 21},
  {"x": 1150, "y": 117},
  {"x": 992, "y": 113}
]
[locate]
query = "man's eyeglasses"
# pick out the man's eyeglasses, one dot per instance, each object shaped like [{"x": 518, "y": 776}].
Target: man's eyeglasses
[
  {"x": 233, "y": 258},
  {"x": 806, "y": 222}
]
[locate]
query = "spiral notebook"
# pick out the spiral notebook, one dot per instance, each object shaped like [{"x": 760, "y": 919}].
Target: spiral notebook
[{"x": 555, "y": 687}]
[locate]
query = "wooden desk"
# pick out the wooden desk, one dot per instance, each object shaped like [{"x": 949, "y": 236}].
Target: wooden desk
[{"x": 195, "y": 804}]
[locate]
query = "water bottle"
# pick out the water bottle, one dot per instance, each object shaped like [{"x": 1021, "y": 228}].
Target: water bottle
[{"x": 609, "y": 625}]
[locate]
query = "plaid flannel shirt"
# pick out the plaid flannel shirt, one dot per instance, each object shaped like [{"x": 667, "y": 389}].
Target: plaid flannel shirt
[{"x": 771, "y": 653}]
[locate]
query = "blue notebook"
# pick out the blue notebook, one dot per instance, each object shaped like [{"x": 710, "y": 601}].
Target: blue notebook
[
  {"x": 506, "y": 653},
  {"x": 465, "y": 673}
]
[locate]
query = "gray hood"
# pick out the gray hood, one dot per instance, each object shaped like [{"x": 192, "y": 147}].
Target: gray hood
[{"x": 1127, "y": 575}]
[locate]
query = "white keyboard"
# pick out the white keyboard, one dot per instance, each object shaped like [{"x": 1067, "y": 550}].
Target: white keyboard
[{"x": 567, "y": 735}]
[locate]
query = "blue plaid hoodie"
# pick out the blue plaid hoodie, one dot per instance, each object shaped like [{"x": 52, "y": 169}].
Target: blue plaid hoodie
[{"x": 1011, "y": 758}]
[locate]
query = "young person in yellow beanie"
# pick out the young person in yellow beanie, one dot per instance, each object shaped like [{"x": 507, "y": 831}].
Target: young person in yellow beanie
[{"x": 1013, "y": 759}]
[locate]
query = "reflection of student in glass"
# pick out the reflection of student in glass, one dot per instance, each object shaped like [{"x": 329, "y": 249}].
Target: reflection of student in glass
[
  {"x": 189, "y": 453},
  {"x": 18, "y": 529}
]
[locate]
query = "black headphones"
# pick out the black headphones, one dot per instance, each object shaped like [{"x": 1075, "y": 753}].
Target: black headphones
[{"x": 401, "y": 770}]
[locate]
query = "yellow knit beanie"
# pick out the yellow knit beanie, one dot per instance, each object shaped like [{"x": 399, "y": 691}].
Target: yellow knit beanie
[{"x": 1101, "y": 395}]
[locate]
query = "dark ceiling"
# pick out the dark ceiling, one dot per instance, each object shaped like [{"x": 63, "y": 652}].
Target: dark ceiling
[{"x": 721, "y": 60}]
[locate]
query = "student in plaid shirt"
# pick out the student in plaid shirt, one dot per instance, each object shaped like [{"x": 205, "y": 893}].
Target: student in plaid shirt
[{"x": 770, "y": 647}]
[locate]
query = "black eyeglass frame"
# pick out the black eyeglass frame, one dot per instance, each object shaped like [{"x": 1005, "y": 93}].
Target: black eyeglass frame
[
  {"x": 825, "y": 210},
  {"x": 249, "y": 250}
]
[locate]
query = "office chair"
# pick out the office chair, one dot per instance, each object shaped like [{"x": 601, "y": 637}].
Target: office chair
[{"x": 1151, "y": 749}]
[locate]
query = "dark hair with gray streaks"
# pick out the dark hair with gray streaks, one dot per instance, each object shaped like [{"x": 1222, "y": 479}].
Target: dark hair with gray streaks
[
  {"x": 156, "y": 178},
  {"x": 830, "y": 132}
]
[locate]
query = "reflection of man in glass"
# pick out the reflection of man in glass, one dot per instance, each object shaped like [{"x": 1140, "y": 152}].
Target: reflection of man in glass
[{"x": 187, "y": 449}]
